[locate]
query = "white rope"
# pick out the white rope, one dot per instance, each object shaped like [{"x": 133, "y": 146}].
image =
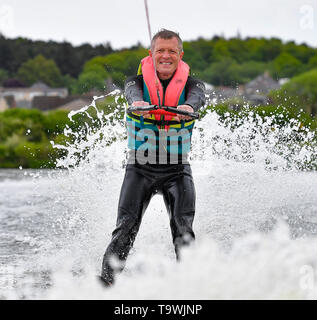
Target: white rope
[
  {"x": 150, "y": 34},
  {"x": 148, "y": 19}
]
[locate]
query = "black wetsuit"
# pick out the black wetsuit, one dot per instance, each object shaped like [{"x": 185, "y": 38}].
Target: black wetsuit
[{"x": 141, "y": 182}]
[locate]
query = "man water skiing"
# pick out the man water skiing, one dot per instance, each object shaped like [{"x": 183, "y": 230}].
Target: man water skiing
[{"x": 158, "y": 144}]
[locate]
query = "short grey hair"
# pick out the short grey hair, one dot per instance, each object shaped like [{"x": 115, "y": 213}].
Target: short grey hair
[{"x": 167, "y": 34}]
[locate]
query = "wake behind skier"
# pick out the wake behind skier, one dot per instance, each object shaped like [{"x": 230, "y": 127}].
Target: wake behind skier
[{"x": 158, "y": 149}]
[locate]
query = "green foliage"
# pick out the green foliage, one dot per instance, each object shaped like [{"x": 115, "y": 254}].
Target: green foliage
[
  {"x": 286, "y": 66},
  {"x": 69, "y": 83},
  {"x": 40, "y": 69},
  {"x": 69, "y": 59},
  {"x": 25, "y": 137},
  {"x": 34, "y": 155},
  {"x": 88, "y": 81},
  {"x": 116, "y": 66},
  {"x": 93, "y": 76},
  {"x": 313, "y": 62},
  {"x": 225, "y": 72},
  {"x": 299, "y": 92},
  {"x": 228, "y": 72},
  {"x": 235, "y": 61},
  {"x": 54, "y": 122},
  {"x": 193, "y": 57},
  {"x": 220, "y": 50},
  {"x": 301, "y": 52},
  {"x": 280, "y": 115},
  {"x": 3, "y": 75},
  {"x": 19, "y": 121},
  {"x": 251, "y": 69}
]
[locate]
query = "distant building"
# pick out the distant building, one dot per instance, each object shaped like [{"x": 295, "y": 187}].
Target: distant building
[
  {"x": 7, "y": 102},
  {"x": 76, "y": 104},
  {"x": 13, "y": 83},
  {"x": 255, "y": 92},
  {"x": 221, "y": 94},
  {"x": 46, "y": 103},
  {"x": 262, "y": 84},
  {"x": 23, "y": 97}
]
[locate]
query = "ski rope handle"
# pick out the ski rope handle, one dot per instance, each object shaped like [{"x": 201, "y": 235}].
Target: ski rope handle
[{"x": 171, "y": 111}]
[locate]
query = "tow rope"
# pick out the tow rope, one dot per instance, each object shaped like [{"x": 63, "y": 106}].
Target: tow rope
[{"x": 150, "y": 34}]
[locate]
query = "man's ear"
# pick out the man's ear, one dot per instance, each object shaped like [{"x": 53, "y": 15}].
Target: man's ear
[
  {"x": 182, "y": 55},
  {"x": 150, "y": 53}
]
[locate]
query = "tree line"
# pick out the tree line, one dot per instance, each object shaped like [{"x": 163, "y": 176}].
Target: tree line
[
  {"x": 237, "y": 61},
  {"x": 219, "y": 61},
  {"x": 68, "y": 58}
]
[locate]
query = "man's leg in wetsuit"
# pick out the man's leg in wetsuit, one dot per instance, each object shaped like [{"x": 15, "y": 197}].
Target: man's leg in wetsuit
[
  {"x": 179, "y": 196},
  {"x": 136, "y": 193}
]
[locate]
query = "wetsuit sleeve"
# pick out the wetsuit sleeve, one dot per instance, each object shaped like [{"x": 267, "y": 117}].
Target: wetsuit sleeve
[
  {"x": 195, "y": 93},
  {"x": 133, "y": 89}
]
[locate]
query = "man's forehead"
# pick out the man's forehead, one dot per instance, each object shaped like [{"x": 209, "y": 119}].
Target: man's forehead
[{"x": 164, "y": 42}]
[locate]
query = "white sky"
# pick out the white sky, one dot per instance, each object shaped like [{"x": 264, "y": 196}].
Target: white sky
[{"x": 123, "y": 22}]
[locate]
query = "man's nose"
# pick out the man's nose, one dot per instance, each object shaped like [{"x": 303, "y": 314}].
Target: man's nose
[{"x": 165, "y": 54}]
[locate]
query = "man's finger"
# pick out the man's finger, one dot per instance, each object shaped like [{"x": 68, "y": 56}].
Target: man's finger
[
  {"x": 177, "y": 118},
  {"x": 140, "y": 104}
]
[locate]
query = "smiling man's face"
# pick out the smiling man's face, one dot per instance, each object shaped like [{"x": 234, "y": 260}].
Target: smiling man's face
[{"x": 166, "y": 55}]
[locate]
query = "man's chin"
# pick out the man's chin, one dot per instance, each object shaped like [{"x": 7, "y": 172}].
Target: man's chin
[{"x": 165, "y": 74}]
